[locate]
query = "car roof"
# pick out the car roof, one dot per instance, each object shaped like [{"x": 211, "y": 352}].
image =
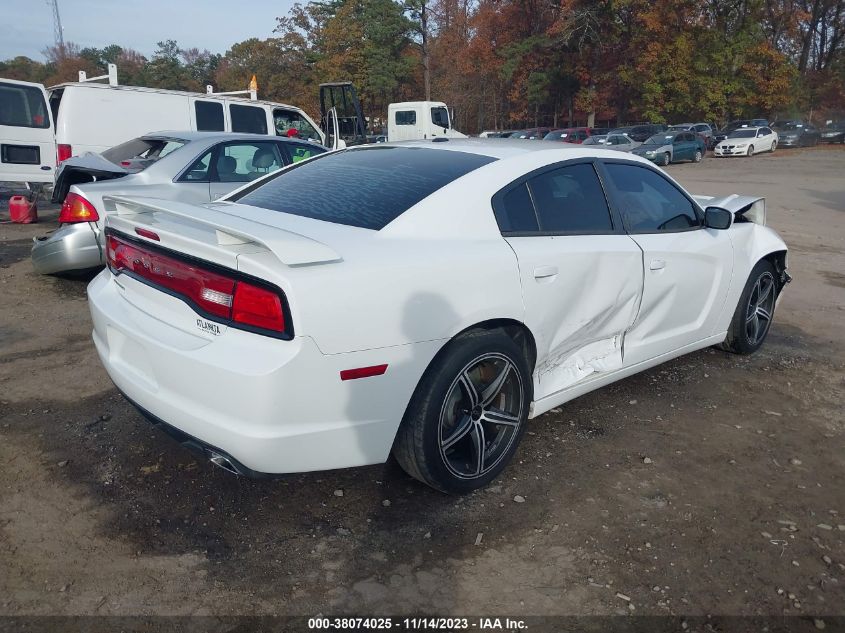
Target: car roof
[
  {"x": 503, "y": 148},
  {"x": 190, "y": 136}
]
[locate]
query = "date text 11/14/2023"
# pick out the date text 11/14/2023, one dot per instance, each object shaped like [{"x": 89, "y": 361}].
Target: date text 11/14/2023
[{"x": 416, "y": 624}]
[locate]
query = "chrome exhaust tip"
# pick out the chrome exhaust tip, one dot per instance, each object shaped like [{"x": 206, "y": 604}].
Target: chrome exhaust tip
[{"x": 223, "y": 462}]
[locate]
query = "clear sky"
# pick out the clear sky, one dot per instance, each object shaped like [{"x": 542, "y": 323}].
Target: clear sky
[{"x": 26, "y": 26}]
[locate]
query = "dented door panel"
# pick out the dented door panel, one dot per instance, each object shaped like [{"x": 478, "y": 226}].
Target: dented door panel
[
  {"x": 581, "y": 294},
  {"x": 687, "y": 277}
]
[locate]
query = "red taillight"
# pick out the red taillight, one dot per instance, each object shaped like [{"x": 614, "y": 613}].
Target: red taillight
[
  {"x": 214, "y": 293},
  {"x": 75, "y": 208},
  {"x": 63, "y": 152},
  {"x": 258, "y": 307}
]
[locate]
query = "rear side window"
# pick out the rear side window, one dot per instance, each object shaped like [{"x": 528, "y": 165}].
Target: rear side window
[
  {"x": 519, "y": 215},
  {"x": 23, "y": 106},
  {"x": 570, "y": 200},
  {"x": 140, "y": 153},
  {"x": 367, "y": 188},
  {"x": 406, "y": 117},
  {"x": 209, "y": 116},
  {"x": 649, "y": 202},
  {"x": 248, "y": 119}
]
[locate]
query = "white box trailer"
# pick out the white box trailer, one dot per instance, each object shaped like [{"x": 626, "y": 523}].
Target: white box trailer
[
  {"x": 419, "y": 120},
  {"x": 91, "y": 117}
]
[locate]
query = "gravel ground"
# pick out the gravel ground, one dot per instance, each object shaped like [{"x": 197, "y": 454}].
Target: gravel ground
[{"x": 712, "y": 484}]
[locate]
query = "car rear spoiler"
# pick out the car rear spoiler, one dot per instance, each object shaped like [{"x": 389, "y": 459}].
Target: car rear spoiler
[
  {"x": 215, "y": 230},
  {"x": 744, "y": 208}
]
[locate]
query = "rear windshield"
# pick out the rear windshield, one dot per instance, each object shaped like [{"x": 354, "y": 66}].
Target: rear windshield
[
  {"x": 367, "y": 188},
  {"x": 140, "y": 153},
  {"x": 22, "y": 106}
]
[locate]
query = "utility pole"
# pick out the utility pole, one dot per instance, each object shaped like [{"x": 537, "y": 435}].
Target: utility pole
[{"x": 58, "y": 36}]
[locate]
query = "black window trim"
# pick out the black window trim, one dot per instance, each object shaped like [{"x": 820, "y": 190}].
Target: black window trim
[
  {"x": 612, "y": 195},
  {"x": 499, "y": 211}
]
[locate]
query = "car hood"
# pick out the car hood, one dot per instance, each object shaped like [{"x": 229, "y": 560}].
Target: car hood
[{"x": 642, "y": 149}]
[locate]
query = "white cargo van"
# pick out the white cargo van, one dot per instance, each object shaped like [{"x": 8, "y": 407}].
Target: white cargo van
[
  {"x": 416, "y": 120},
  {"x": 92, "y": 117},
  {"x": 27, "y": 143}
]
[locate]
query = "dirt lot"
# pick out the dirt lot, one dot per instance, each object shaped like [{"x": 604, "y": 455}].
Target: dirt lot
[{"x": 710, "y": 485}]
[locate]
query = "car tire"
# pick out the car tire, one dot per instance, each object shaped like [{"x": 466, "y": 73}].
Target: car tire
[
  {"x": 666, "y": 160},
  {"x": 774, "y": 146},
  {"x": 750, "y": 151},
  {"x": 749, "y": 327},
  {"x": 697, "y": 157},
  {"x": 454, "y": 411}
]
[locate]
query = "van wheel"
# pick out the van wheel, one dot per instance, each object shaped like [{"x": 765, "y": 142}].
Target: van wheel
[
  {"x": 468, "y": 413},
  {"x": 753, "y": 317}
]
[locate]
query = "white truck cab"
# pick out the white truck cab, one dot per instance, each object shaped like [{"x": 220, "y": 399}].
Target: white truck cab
[
  {"x": 419, "y": 120},
  {"x": 27, "y": 144}
]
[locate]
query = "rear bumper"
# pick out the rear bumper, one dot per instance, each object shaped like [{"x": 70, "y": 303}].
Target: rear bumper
[
  {"x": 71, "y": 247},
  {"x": 268, "y": 405}
]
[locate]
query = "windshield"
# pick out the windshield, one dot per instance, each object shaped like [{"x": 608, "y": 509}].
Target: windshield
[
  {"x": 368, "y": 187},
  {"x": 293, "y": 124},
  {"x": 22, "y": 106},
  {"x": 660, "y": 139},
  {"x": 737, "y": 124},
  {"x": 743, "y": 134},
  {"x": 791, "y": 126},
  {"x": 440, "y": 116},
  {"x": 140, "y": 153}
]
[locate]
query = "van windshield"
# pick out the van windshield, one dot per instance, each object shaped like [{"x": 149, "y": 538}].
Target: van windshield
[
  {"x": 139, "y": 153},
  {"x": 22, "y": 106}
]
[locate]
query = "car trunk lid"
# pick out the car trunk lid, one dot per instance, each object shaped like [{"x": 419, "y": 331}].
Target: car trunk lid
[{"x": 89, "y": 167}]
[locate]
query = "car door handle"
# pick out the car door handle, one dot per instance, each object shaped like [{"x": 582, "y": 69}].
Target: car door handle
[
  {"x": 545, "y": 272},
  {"x": 657, "y": 264}
]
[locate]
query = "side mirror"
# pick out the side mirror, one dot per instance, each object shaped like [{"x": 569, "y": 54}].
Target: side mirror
[{"x": 717, "y": 218}]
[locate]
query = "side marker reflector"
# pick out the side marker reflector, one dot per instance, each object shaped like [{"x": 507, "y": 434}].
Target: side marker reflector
[{"x": 363, "y": 372}]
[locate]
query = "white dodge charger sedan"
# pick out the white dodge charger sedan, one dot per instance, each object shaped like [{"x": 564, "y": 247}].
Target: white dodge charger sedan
[{"x": 424, "y": 299}]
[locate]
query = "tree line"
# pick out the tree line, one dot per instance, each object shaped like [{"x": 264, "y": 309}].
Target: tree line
[{"x": 519, "y": 63}]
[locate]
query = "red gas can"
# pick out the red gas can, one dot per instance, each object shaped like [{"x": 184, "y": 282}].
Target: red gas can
[{"x": 22, "y": 210}]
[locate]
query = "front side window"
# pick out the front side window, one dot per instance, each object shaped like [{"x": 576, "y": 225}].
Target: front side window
[
  {"x": 23, "y": 106},
  {"x": 292, "y": 124},
  {"x": 248, "y": 119},
  {"x": 440, "y": 116},
  {"x": 209, "y": 116},
  {"x": 406, "y": 117},
  {"x": 243, "y": 162},
  {"x": 648, "y": 202},
  {"x": 354, "y": 184},
  {"x": 570, "y": 200}
]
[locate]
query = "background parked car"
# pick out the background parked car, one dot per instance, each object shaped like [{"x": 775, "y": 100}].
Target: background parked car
[
  {"x": 569, "y": 135},
  {"x": 671, "y": 147},
  {"x": 620, "y": 142},
  {"x": 533, "y": 133},
  {"x": 833, "y": 133},
  {"x": 796, "y": 134},
  {"x": 181, "y": 166},
  {"x": 642, "y": 133},
  {"x": 704, "y": 130},
  {"x": 747, "y": 141},
  {"x": 721, "y": 135}
]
